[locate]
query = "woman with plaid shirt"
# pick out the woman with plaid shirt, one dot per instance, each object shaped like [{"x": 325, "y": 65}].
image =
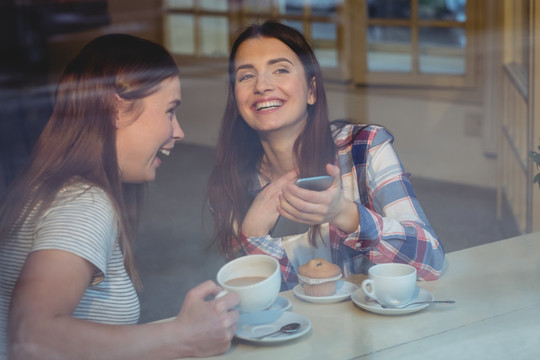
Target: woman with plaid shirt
[{"x": 275, "y": 129}]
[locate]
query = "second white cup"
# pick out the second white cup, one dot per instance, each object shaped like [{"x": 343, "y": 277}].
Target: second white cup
[
  {"x": 255, "y": 278},
  {"x": 390, "y": 284}
]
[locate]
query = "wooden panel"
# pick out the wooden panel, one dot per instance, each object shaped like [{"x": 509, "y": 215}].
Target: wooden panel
[
  {"x": 513, "y": 154},
  {"x": 534, "y": 129},
  {"x": 520, "y": 122}
]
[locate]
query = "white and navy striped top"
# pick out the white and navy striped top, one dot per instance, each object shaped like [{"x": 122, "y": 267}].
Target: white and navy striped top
[{"x": 81, "y": 220}]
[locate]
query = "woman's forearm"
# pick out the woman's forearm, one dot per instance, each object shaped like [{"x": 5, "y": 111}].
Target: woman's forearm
[{"x": 70, "y": 338}]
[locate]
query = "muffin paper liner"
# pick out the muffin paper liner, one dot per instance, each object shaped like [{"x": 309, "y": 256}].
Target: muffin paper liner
[{"x": 311, "y": 281}]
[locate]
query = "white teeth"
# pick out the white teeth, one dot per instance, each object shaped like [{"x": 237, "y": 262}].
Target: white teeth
[
  {"x": 268, "y": 105},
  {"x": 165, "y": 152}
]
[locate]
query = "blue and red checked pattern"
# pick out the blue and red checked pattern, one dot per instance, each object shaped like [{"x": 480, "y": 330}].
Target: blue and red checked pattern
[{"x": 393, "y": 226}]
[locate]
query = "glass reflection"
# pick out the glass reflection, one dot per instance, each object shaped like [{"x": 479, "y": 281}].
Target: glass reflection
[
  {"x": 317, "y": 7},
  {"x": 389, "y": 49},
  {"x": 217, "y": 5},
  {"x": 180, "y": 30},
  {"x": 442, "y": 50},
  {"x": 451, "y": 10},
  {"x": 389, "y": 9},
  {"x": 179, "y": 4},
  {"x": 214, "y": 36},
  {"x": 324, "y": 37},
  {"x": 258, "y": 6}
]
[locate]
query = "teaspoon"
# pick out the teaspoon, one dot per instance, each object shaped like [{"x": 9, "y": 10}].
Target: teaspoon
[
  {"x": 287, "y": 329},
  {"x": 418, "y": 303}
]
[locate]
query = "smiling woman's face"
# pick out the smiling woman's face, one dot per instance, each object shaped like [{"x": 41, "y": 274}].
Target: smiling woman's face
[
  {"x": 271, "y": 89},
  {"x": 153, "y": 131}
]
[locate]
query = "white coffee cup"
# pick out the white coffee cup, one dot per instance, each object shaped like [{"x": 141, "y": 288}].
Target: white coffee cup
[
  {"x": 255, "y": 278},
  {"x": 390, "y": 284}
]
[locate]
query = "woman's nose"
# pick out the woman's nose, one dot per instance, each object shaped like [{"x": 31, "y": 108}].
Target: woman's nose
[
  {"x": 178, "y": 133},
  {"x": 263, "y": 84}
]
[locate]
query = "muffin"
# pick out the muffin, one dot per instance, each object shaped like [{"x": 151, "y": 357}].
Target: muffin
[{"x": 319, "y": 277}]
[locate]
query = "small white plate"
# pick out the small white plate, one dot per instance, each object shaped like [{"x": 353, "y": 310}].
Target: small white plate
[
  {"x": 360, "y": 299},
  {"x": 344, "y": 289},
  {"x": 249, "y": 331}
]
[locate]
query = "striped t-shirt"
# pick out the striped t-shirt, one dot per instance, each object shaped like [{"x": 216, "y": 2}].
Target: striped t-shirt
[{"x": 82, "y": 221}]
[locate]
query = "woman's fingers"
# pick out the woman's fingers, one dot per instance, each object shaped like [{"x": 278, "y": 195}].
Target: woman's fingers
[{"x": 312, "y": 207}]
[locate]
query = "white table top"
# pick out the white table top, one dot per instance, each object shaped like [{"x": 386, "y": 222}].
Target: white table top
[{"x": 496, "y": 315}]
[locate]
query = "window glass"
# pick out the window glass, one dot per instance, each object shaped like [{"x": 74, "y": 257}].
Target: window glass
[
  {"x": 258, "y": 6},
  {"x": 214, "y": 36},
  {"x": 453, "y": 10},
  {"x": 217, "y": 5},
  {"x": 181, "y": 34},
  {"x": 389, "y": 49},
  {"x": 324, "y": 7},
  {"x": 442, "y": 50},
  {"x": 290, "y": 7},
  {"x": 294, "y": 24},
  {"x": 180, "y": 4},
  {"x": 324, "y": 38},
  {"x": 389, "y": 9}
]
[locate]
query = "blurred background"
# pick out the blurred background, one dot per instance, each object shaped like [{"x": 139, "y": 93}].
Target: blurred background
[{"x": 452, "y": 80}]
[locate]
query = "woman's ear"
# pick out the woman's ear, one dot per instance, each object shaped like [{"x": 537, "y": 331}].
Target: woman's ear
[
  {"x": 312, "y": 98},
  {"x": 118, "y": 118},
  {"x": 122, "y": 107}
]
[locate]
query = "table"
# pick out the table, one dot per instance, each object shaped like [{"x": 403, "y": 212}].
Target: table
[{"x": 496, "y": 315}]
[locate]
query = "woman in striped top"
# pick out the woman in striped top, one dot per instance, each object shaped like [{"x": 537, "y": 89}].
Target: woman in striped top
[{"x": 67, "y": 288}]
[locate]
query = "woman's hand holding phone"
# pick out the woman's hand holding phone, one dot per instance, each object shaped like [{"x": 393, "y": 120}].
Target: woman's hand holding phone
[
  {"x": 319, "y": 207},
  {"x": 262, "y": 214}
]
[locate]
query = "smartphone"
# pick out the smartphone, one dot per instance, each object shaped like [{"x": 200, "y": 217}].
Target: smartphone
[
  {"x": 317, "y": 183},
  {"x": 287, "y": 227}
]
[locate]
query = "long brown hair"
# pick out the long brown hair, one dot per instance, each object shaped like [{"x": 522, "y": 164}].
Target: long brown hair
[
  {"x": 239, "y": 149},
  {"x": 79, "y": 140}
]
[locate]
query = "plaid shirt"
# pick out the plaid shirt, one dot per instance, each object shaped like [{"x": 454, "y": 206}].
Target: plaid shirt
[{"x": 393, "y": 226}]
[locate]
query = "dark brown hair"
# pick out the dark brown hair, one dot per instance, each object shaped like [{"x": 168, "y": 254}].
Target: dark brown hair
[
  {"x": 78, "y": 143},
  {"x": 239, "y": 149}
]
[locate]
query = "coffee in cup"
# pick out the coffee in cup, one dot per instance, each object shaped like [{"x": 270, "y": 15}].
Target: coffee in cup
[
  {"x": 255, "y": 278},
  {"x": 390, "y": 284}
]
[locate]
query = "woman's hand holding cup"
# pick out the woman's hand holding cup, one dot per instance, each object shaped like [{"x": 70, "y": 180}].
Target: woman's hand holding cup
[{"x": 256, "y": 279}]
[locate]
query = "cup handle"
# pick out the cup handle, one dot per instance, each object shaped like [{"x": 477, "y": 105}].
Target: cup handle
[
  {"x": 221, "y": 293},
  {"x": 367, "y": 286}
]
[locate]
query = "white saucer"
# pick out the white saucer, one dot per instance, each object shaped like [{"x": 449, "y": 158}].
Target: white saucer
[
  {"x": 360, "y": 299},
  {"x": 281, "y": 303},
  {"x": 250, "y": 332},
  {"x": 344, "y": 289}
]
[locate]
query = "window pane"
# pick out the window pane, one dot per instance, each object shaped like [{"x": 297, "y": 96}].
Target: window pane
[
  {"x": 214, "y": 36},
  {"x": 258, "y": 6},
  {"x": 324, "y": 7},
  {"x": 389, "y": 49},
  {"x": 180, "y": 4},
  {"x": 443, "y": 10},
  {"x": 216, "y": 5},
  {"x": 294, "y": 24},
  {"x": 389, "y": 9},
  {"x": 291, "y": 7},
  {"x": 324, "y": 37},
  {"x": 181, "y": 34},
  {"x": 442, "y": 50}
]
